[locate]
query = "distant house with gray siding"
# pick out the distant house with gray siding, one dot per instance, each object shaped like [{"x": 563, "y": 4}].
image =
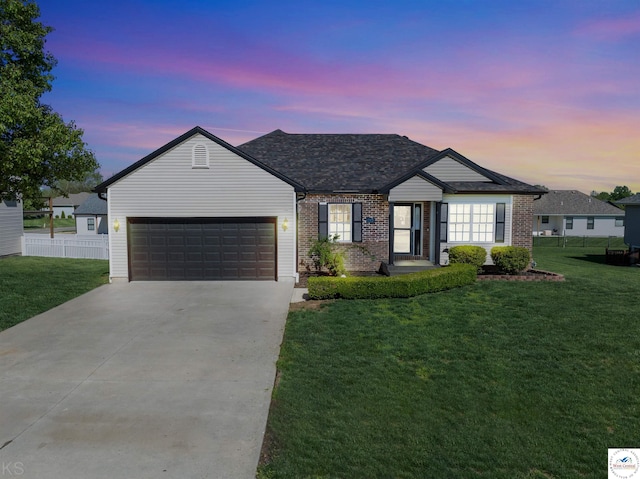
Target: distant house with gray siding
[
  {"x": 572, "y": 213},
  {"x": 11, "y": 227},
  {"x": 91, "y": 216},
  {"x": 66, "y": 205},
  {"x": 632, "y": 220}
]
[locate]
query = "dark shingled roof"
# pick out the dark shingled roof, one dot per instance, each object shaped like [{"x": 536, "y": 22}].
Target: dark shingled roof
[
  {"x": 572, "y": 202},
  {"x": 339, "y": 162},
  {"x": 361, "y": 162},
  {"x": 631, "y": 200},
  {"x": 93, "y": 205}
]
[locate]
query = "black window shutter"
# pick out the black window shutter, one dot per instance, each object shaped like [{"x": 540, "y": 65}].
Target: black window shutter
[
  {"x": 357, "y": 222},
  {"x": 444, "y": 215},
  {"x": 323, "y": 220},
  {"x": 500, "y": 214}
]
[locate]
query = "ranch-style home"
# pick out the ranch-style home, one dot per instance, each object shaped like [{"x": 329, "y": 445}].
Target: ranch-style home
[
  {"x": 199, "y": 208},
  {"x": 91, "y": 216},
  {"x": 572, "y": 213}
]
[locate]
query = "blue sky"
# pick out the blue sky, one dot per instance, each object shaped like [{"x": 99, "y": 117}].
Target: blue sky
[{"x": 547, "y": 92}]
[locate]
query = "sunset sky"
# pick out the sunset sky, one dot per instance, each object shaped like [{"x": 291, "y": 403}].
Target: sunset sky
[{"x": 544, "y": 91}]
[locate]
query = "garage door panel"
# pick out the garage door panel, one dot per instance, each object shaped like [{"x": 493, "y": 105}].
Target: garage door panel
[{"x": 202, "y": 248}]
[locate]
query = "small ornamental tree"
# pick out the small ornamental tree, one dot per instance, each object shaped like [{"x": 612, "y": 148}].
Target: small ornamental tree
[{"x": 324, "y": 253}]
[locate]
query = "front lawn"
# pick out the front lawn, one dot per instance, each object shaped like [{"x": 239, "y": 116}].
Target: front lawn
[
  {"x": 494, "y": 380},
  {"x": 43, "y": 222},
  {"x": 30, "y": 285}
]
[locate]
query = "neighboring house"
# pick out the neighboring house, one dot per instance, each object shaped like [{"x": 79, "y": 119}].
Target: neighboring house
[
  {"x": 632, "y": 220},
  {"x": 67, "y": 205},
  {"x": 91, "y": 216},
  {"x": 11, "y": 227},
  {"x": 572, "y": 213},
  {"x": 199, "y": 208}
]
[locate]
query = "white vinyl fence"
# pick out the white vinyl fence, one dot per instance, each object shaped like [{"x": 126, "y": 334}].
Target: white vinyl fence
[{"x": 66, "y": 246}]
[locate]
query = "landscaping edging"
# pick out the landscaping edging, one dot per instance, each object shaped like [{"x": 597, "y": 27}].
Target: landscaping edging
[{"x": 535, "y": 275}]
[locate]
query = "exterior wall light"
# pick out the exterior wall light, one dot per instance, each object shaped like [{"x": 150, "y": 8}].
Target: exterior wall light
[
  {"x": 285, "y": 224},
  {"x": 116, "y": 225}
]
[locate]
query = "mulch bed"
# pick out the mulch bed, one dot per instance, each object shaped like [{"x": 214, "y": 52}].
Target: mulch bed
[{"x": 491, "y": 274}]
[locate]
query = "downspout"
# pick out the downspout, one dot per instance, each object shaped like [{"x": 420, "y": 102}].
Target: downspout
[
  {"x": 436, "y": 234},
  {"x": 298, "y": 200},
  {"x": 391, "y": 232}
]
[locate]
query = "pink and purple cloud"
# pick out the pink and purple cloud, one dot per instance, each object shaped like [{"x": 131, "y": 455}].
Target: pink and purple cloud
[{"x": 546, "y": 92}]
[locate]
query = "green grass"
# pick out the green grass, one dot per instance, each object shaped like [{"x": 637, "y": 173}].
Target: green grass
[
  {"x": 30, "y": 223},
  {"x": 495, "y": 380},
  {"x": 30, "y": 285}
]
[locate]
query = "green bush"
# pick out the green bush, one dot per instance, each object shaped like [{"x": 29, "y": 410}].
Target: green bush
[
  {"x": 402, "y": 286},
  {"x": 510, "y": 259},
  {"x": 62, "y": 215},
  {"x": 467, "y": 254},
  {"x": 325, "y": 254}
]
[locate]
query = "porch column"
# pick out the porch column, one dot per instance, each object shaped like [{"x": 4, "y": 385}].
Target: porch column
[{"x": 436, "y": 236}]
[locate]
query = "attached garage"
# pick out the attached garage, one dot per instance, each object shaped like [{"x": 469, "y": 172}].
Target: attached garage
[
  {"x": 200, "y": 209},
  {"x": 191, "y": 249}
]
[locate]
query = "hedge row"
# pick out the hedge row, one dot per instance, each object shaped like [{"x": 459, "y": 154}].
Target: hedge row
[{"x": 402, "y": 286}]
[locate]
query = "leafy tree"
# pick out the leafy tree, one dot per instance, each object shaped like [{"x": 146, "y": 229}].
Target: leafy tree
[
  {"x": 618, "y": 193},
  {"x": 88, "y": 183},
  {"x": 37, "y": 148}
]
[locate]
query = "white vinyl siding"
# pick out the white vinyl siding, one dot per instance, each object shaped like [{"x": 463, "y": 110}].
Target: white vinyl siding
[
  {"x": 448, "y": 169},
  {"x": 483, "y": 218},
  {"x": 602, "y": 226},
  {"x": 168, "y": 186},
  {"x": 415, "y": 189},
  {"x": 11, "y": 228},
  {"x": 82, "y": 224}
]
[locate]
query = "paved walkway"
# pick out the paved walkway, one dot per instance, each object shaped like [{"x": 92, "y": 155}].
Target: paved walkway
[{"x": 142, "y": 380}]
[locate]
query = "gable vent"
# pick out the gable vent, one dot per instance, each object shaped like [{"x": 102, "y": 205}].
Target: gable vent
[{"x": 200, "y": 156}]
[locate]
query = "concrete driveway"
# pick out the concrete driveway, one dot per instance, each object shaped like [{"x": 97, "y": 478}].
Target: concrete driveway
[{"x": 142, "y": 380}]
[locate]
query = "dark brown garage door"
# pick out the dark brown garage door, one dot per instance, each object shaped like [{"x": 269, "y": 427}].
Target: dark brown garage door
[{"x": 190, "y": 249}]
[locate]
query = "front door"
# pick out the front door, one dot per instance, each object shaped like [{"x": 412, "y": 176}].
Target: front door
[{"x": 407, "y": 237}]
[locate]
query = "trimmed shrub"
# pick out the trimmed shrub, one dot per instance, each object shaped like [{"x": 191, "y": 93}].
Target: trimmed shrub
[
  {"x": 467, "y": 254},
  {"x": 62, "y": 215},
  {"x": 510, "y": 259},
  {"x": 402, "y": 286}
]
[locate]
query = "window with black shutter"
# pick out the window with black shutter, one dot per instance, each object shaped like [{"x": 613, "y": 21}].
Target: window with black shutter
[
  {"x": 500, "y": 220},
  {"x": 343, "y": 220}
]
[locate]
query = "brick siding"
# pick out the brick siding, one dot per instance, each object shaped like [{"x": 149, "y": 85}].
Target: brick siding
[
  {"x": 364, "y": 256},
  {"x": 522, "y": 233}
]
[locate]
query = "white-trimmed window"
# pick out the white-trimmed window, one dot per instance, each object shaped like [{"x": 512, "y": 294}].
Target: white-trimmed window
[
  {"x": 475, "y": 223},
  {"x": 91, "y": 224},
  {"x": 200, "y": 156},
  {"x": 340, "y": 221}
]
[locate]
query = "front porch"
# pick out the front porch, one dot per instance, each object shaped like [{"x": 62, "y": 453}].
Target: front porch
[{"x": 405, "y": 266}]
